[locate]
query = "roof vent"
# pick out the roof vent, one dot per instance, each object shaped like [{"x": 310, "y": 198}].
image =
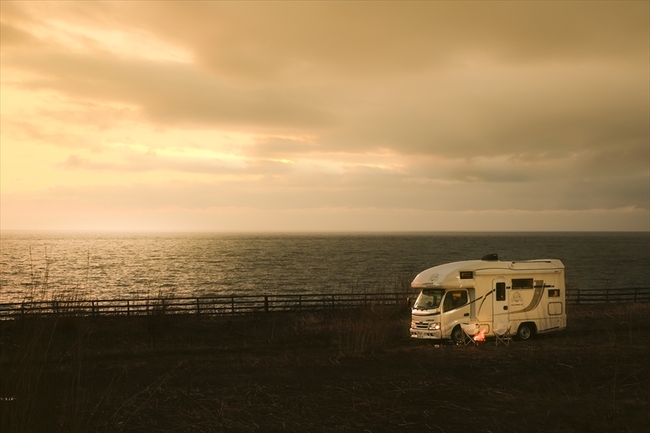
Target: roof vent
[{"x": 494, "y": 257}]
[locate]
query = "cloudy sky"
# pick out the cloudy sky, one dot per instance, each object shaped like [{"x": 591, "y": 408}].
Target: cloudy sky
[{"x": 325, "y": 116}]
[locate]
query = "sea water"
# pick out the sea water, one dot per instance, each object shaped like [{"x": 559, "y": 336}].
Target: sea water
[{"x": 47, "y": 265}]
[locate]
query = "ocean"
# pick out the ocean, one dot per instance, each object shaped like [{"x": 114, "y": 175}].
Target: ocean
[{"x": 51, "y": 265}]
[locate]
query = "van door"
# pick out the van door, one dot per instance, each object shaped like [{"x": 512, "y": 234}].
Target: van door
[
  {"x": 455, "y": 310},
  {"x": 500, "y": 311}
]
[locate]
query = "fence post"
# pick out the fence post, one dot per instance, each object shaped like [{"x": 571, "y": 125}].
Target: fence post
[
  {"x": 232, "y": 304},
  {"x": 266, "y": 304},
  {"x": 128, "y": 308},
  {"x": 198, "y": 306}
]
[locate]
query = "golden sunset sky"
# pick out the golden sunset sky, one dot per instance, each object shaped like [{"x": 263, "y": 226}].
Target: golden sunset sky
[{"x": 325, "y": 116}]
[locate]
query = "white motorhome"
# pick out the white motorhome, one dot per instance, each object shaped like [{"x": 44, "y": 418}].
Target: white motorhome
[{"x": 525, "y": 297}]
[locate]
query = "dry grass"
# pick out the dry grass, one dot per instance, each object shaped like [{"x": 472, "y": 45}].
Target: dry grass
[{"x": 333, "y": 371}]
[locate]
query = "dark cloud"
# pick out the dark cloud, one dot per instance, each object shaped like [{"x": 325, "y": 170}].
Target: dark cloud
[
  {"x": 11, "y": 36},
  {"x": 30, "y": 130},
  {"x": 588, "y": 80},
  {"x": 265, "y": 41},
  {"x": 168, "y": 94},
  {"x": 75, "y": 162},
  {"x": 362, "y": 190}
]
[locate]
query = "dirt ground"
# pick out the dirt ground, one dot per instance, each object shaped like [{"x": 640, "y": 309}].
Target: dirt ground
[{"x": 340, "y": 371}]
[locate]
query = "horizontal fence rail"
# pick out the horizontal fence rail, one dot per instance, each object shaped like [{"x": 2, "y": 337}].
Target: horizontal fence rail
[
  {"x": 597, "y": 296},
  {"x": 208, "y": 305},
  {"x": 251, "y": 304}
]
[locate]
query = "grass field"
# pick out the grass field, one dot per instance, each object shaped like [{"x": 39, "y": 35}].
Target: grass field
[{"x": 330, "y": 371}]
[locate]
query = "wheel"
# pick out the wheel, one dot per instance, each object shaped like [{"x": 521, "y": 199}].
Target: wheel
[
  {"x": 525, "y": 331},
  {"x": 457, "y": 335}
]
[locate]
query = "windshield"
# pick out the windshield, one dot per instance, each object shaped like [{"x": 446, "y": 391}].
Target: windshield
[{"x": 429, "y": 299}]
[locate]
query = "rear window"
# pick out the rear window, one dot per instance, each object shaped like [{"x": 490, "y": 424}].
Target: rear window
[{"x": 553, "y": 293}]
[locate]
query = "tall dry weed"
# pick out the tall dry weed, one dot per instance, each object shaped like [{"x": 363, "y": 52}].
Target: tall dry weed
[{"x": 368, "y": 329}]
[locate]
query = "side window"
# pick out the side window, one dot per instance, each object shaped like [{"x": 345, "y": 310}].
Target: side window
[
  {"x": 522, "y": 283},
  {"x": 454, "y": 299},
  {"x": 501, "y": 291}
]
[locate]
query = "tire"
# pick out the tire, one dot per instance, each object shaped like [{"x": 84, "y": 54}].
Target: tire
[
  {"x": 525, "y": 331},
  {"x": 457, "y": 335}
]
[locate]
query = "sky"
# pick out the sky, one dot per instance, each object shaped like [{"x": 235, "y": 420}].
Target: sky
[{"x": 325, "y": 116}]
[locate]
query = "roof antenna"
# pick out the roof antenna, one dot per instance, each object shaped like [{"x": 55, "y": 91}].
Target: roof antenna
[{"x": 494, "y": 257}]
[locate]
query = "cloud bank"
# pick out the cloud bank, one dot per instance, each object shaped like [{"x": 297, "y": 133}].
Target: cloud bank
[{"x": 316, "y": 115}]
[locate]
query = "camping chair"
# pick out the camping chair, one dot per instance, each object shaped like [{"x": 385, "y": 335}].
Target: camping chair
[
  {"x": 502, "y": 334},
  {"x": 469, "y": 331}
]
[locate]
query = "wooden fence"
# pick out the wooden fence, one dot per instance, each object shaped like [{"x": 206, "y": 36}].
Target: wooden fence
[
  {"x": 251, "y": 304},
  {"x": 207, "y": 305},
  {"x": 593, "y": 296}
]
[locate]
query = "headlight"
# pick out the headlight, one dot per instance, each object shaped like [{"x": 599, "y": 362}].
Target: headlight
[{"x": 434, "y": 325}]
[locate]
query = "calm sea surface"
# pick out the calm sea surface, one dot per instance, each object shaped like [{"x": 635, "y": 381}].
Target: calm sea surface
[{"x": 107, "y": 265}]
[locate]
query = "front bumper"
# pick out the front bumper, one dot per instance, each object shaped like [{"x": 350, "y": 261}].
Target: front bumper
[{"x": 433, "y": 334}]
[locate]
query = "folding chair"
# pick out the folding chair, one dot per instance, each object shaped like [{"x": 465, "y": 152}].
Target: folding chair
[
  {"x": 502, "y": 335},
  {"x": 469, "y": 331}
]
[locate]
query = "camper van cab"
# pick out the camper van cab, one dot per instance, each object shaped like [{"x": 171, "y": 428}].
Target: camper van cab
[{"x": 522, "y": 297}]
